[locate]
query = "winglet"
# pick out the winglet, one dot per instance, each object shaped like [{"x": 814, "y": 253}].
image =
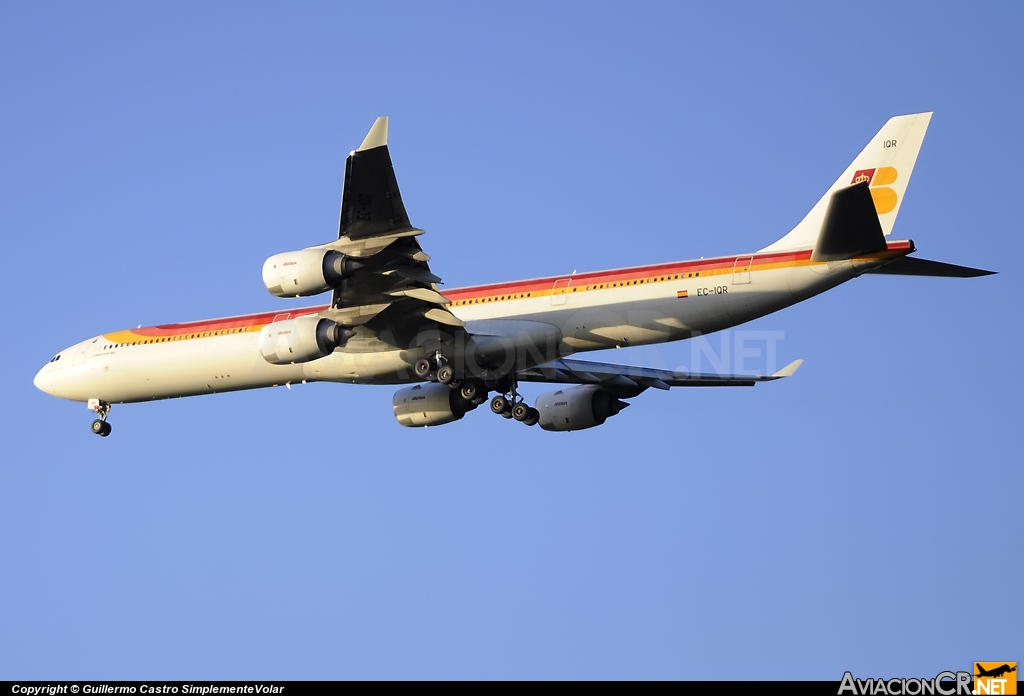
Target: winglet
[
  {"x": 378, "y": 135},
  {"x": 790, "y": 369}
]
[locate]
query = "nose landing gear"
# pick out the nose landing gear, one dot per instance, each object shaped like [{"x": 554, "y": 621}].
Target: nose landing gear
[{"x": 100, "y": 426}]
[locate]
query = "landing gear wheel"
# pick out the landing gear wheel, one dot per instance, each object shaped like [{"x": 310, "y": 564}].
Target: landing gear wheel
[
  {"x": 532, "y": 416},
  {"x": 470, "y": 390},
  {"x": 101, "y": 427},
  {"x": 520, "y": 411},
  {"x": 423, "y": 368},
  {"x": 500, "y": 405},
  {"x": 445, "y": 374}
]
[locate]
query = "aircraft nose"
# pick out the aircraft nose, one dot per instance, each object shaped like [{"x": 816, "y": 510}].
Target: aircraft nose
[
  {"x": 41, "y": 380},
  {"x": 46, "y": 380}
]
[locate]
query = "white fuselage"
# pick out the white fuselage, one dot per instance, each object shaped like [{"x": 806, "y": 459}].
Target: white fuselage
[{"x": 634, "y": 306}]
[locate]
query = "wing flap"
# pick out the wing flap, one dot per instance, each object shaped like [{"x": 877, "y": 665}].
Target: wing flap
[
  {"x": 420, "y": 275},
  {"x": 423, "y": 294},
  {"x": 625, "y": 376},
  {"x": 443, "y": 316}
]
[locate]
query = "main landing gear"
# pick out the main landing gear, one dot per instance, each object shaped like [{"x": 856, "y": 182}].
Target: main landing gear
[
  {"x": 100, "y": 426},
  {"x": 512, "y": 406},
  {"x": 508, "y": 404},
  {"x": 436, "y": 369}
]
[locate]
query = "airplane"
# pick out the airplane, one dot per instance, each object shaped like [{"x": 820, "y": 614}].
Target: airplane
[
  {"x": 388, "y": 321},
  {"x": 995, "y": 672}
]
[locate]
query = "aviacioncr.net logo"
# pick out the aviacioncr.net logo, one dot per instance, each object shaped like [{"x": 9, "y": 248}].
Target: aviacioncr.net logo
[{"x": 943, "y": 684}]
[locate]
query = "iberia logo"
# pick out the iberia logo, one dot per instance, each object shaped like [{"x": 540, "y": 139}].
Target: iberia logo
[
  {"x": 995, "y": 678},
  {"x": 862, "y": 175},
  {"x": 878, "y": 179}
]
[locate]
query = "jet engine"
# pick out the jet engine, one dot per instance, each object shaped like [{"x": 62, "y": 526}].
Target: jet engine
[
  {"x": 301, "y": 340},
  {"x": 306, "y": 272},
  {"x": 429, "y": 404},
  {"x": 577, "y": 408}
]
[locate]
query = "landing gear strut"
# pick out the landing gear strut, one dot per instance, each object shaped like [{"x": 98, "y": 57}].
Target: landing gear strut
[{"x": 100, "y": 426}]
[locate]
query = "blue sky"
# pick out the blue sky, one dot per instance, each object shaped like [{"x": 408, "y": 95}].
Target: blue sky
[{"x": 859, "y": 516}]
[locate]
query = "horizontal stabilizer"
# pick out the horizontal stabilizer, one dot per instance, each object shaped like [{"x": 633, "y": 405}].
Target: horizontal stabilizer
[
  {"x": 851, "y": 227},
  {"x": 910, "y": 266}
]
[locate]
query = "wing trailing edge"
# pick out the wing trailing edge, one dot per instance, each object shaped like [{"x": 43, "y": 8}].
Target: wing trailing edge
[{"x": 630, "y": 378}]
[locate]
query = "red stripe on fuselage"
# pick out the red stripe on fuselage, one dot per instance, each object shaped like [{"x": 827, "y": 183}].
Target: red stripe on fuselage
[
  {"x": 238, "y": 322},
  {"x": 515, "y": 287},
  {"x": 637, "y": 272},
  {"x": 623, "y": 274}
]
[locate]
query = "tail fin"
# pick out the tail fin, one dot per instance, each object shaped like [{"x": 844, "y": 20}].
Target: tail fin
[{"x": 885, "y": 164}]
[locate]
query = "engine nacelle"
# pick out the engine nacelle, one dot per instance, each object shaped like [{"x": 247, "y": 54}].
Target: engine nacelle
[
  {"x": 300, "y": 340},
  {"x": 577, "y": 408},
  {"x": 429, "y": 404},
  {"x": 306, "y": 272}
]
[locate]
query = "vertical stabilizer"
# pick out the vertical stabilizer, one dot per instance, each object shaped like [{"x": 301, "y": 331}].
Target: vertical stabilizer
[{"x": 885, "y": 165}]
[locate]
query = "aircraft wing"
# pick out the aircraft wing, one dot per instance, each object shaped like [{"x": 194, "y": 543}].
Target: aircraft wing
[
  {"x": 391, "y": 286},
  {"x": 631, "y": 380}
]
